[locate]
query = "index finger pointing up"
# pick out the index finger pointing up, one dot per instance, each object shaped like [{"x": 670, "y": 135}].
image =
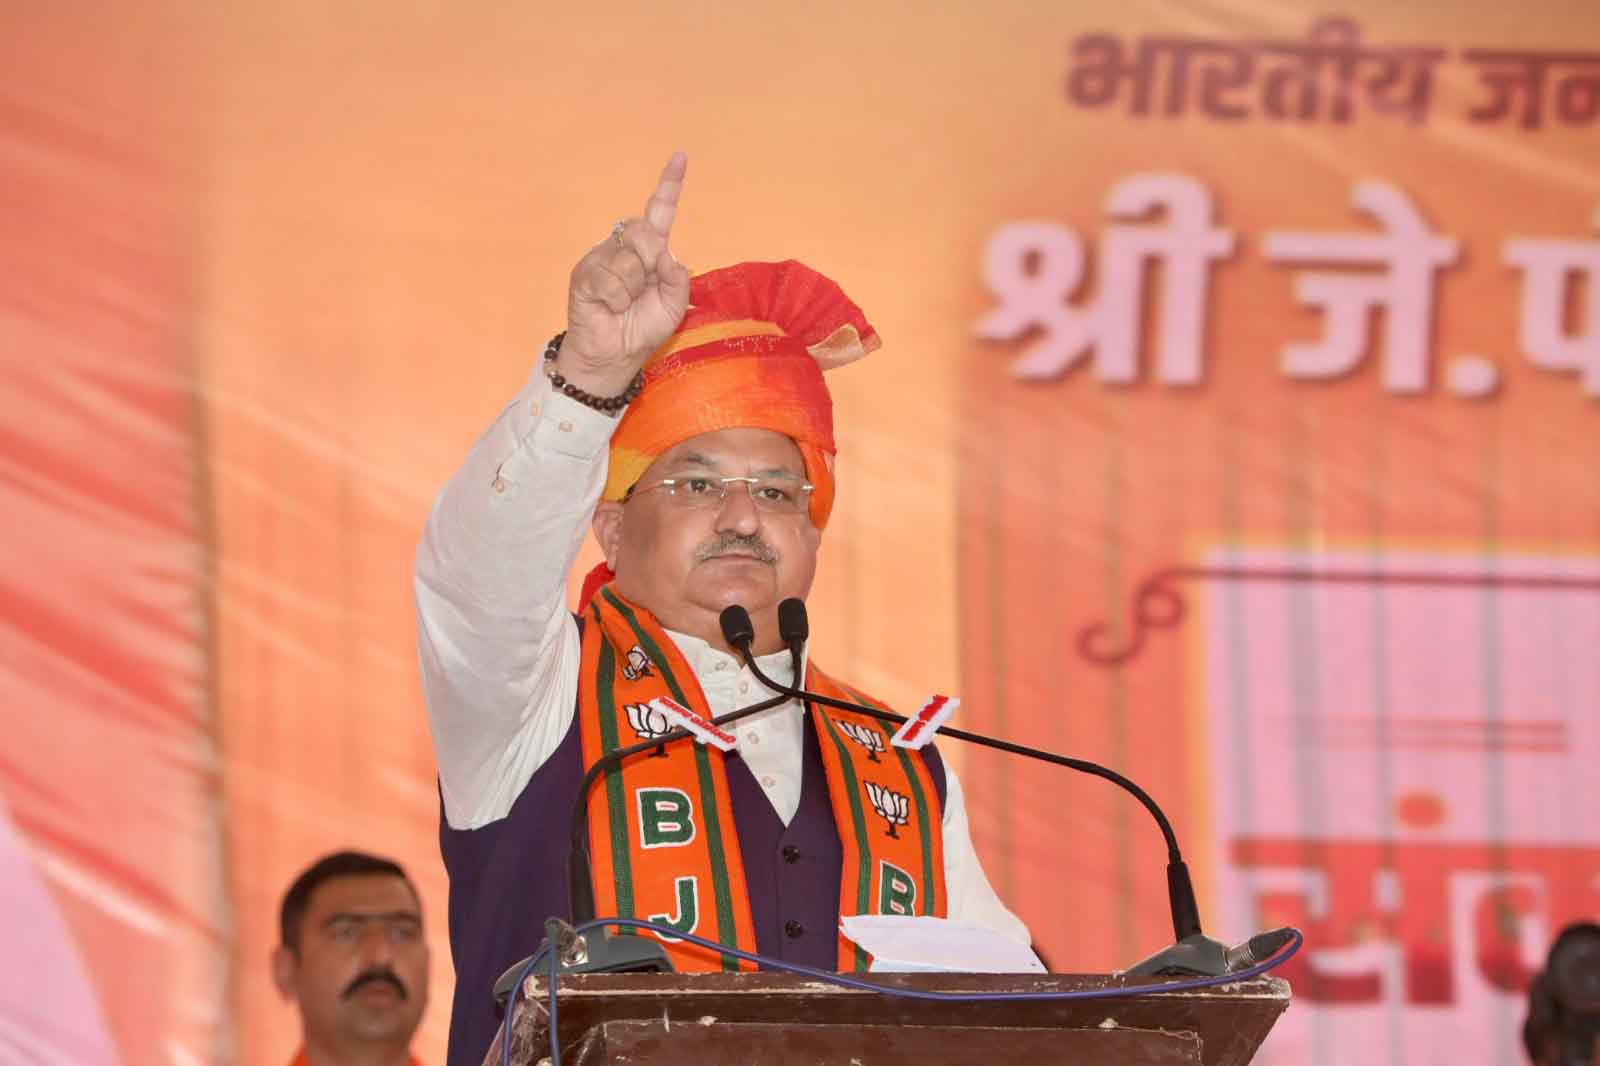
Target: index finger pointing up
[{"x": 662, "y": 207}]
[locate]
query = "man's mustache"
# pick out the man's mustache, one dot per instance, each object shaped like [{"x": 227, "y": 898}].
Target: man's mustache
[
  {"x": 736, "y": 544},
  {"x": 382, "y": 973}
]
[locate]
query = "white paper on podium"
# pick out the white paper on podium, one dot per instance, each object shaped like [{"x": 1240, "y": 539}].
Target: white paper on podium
[{"x": 937, "y": 945}]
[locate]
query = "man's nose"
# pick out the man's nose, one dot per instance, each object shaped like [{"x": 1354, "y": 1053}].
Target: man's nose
[
  {"x": 738, "y": 512},
  {"x": 377, "y": 946}
]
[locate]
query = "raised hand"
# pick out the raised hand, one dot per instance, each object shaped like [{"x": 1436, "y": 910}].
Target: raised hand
[{"x": 626, "y": 295}]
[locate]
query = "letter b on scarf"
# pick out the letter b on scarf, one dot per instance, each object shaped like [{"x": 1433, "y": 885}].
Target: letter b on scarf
[
  {"x": 897, "y": 892},
  {"x": 666, "y": 818}
]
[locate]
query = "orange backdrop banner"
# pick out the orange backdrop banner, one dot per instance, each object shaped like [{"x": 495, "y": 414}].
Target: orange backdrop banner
[{"x": 1233, "y": 426}]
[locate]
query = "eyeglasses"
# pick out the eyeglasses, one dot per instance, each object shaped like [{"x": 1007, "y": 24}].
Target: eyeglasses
[{"x": 776, "y": 495}]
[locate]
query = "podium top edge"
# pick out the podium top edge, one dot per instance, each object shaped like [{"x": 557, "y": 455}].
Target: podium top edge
[{"x": 1265, "y": 988}]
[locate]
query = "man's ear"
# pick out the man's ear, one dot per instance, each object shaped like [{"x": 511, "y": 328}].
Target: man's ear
[
  {"x": 607, "y": 526},
  {"x": 284, "y": 967}
]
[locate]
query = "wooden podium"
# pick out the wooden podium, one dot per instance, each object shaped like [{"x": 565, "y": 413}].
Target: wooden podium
[{"x": 782, "y": 1019}]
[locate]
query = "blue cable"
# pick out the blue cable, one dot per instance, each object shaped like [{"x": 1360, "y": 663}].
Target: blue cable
[
  {"x": 511, "y": 1003},
  {"x": 555, "y": 1040},
  {"x": 1183, "y": 984}
]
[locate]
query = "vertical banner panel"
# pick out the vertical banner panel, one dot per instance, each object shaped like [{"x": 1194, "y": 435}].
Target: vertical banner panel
[
  {"x": 1164, "y": 288},
  {"x": 1405, "y": 740},
  {"x": 114, "y": 923},
  {"x": 1307, "y": 293}
]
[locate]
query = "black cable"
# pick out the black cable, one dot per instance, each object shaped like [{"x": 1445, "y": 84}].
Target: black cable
[
  {"x": 1083, "y": 765},
  {"x": 739, "y": 633}
]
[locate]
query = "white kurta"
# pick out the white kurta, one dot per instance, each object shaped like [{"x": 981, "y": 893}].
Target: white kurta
[{"x": 500, "y": 653}]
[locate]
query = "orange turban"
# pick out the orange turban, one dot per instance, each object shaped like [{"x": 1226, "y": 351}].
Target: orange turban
[{"x": 749, "y": 354}]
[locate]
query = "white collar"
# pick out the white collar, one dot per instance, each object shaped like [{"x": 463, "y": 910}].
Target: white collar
[{"x": 704, "y": 659}]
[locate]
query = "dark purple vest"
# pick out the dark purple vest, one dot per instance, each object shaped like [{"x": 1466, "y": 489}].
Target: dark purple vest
[{"x": 507, "y": 877}]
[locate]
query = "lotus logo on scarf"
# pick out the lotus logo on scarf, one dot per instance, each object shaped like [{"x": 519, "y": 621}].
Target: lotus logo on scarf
[
  {"x": 891, "y": 806},
  {"x": 648, "y": 722},
  {"x": 866, "y": 736},
  {"x": 635, "y": 666}
]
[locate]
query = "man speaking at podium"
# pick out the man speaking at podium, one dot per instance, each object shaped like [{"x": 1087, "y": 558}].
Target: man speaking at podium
[{"x": 687, "y": 423}]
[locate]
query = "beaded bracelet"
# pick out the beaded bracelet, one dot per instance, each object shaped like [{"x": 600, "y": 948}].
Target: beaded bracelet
[{"x": 610, "y": 405}]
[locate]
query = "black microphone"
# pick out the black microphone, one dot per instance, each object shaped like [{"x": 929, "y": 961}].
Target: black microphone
[
  {"x": 1193, "y": 954},
  {"x": 737, "y": 628},
  {"x": 793, "y": 625}
]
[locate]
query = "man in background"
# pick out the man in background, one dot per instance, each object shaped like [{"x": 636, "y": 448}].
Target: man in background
[{"x": 354, "y": 960}]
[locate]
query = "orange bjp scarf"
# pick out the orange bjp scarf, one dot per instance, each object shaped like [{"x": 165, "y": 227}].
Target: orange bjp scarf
[{"x": 661, "y": 826}]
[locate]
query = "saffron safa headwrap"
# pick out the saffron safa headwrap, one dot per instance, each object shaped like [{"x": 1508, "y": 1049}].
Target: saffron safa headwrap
[{"x": 750, "y": 354}]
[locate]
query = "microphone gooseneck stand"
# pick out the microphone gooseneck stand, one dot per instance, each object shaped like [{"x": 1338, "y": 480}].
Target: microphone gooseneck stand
[{"x": 1192, "y": 954}]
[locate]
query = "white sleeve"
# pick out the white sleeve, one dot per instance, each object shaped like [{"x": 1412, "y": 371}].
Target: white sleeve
[
  {"x": 498, "y": 651},
  {"x": 972, "y": 898}
]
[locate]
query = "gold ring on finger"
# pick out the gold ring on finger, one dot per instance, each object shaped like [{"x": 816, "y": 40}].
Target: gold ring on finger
[{"x": 616, "y": 234}]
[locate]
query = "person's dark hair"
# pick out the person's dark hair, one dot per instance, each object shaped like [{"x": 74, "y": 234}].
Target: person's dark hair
[
  {"x": 1563, "y": 1023},
  {"x": 339, "y": 864}
]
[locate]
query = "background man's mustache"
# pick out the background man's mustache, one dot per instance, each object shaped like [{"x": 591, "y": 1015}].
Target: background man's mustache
[
  {"x": 371, "y": 976},
  {"x": 740, "y": 543}
]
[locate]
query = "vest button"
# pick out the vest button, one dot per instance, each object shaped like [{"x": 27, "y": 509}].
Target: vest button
[
  {"x": 791, "y": 853},
  {"x": 793, "y": 929}
]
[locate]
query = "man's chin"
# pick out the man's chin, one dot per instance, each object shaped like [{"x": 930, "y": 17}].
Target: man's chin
[
  {"x": 379, "y": 1016},
  {"x": 392, "y": 1024},
  {"x": 723, "y": 582}
]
